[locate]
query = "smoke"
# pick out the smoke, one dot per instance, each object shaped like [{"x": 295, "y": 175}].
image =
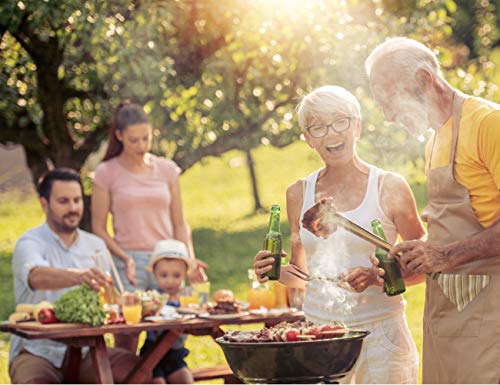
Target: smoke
[
  {"x": 412, "y": 111},
  {"x": 333, "y": 258}
]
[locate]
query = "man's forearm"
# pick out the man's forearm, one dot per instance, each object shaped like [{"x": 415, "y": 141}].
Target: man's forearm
[
  {"x": 485, "y": 244},
  {"x": 50, "y": 278}
]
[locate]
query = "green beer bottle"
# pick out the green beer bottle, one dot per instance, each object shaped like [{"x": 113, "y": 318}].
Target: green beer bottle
[
  {"x": 393, "y": 280},
  {"x": 273, "y": 242}
]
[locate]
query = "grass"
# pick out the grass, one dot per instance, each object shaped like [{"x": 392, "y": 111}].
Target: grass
[{"x": 217, "y": 199}]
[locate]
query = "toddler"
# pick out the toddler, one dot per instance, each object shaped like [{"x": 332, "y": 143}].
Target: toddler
[{"x": 170, "y": 264}]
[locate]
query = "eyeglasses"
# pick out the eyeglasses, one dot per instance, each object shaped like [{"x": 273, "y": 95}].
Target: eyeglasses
[{"x": 320, "y": 130}]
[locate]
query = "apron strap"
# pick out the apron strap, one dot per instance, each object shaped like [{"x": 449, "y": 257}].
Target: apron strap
[{"x": 458, "y": 101}]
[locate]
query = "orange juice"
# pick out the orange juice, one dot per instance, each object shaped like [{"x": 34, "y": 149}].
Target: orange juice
[
  {"x": 108, "y": 295},
  {"x": 260, "y": 296},
  {"x": 189, "y": 300},
  {"x": 132, "y": 313},
  {"x": 280, "y": 295}
]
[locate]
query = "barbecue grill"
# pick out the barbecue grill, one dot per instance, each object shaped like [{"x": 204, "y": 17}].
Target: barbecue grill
[{"x": 323, "y": 360}]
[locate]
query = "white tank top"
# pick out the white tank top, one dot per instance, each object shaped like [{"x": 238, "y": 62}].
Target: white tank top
[{"x": 326, "y": 302}]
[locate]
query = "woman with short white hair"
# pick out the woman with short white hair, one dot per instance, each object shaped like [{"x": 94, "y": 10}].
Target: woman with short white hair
[{"x": 330, "y": 118}]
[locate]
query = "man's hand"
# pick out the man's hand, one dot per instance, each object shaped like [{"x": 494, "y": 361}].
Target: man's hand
[
  {"x": 93, "y": 277},
  {"x": 359, "y": 278},
  {"x": 421, "y": 257},
  {"x": 263, "y": 265}
]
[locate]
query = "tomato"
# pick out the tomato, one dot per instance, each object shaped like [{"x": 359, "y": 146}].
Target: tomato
[
  {"x": 292, "y": 335},
  {"x": 47, "y": 316},
  {"x": 332, "y": 331},
  {"x": 316, "y": 332}
]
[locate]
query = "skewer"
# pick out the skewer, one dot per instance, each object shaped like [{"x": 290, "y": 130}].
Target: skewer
[
  {"x": 306, "y": 337},
  {"x": 335, "y": 331}
]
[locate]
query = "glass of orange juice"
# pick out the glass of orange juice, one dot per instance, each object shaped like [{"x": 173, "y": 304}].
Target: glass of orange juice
[
  {"x": 259, "y": 294},
  {"x": 109, "y": 295},
  {"x": 188, "y": 297},
  {"x": 131, "y": 308}
]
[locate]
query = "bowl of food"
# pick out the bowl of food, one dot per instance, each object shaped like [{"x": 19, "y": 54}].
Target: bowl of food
[
  {"x": 152, "y": 302},
  {"x": 297, "y": 352}
]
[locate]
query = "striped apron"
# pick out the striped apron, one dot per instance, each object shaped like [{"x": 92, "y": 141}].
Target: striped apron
[{"x": 462, "y": 307}]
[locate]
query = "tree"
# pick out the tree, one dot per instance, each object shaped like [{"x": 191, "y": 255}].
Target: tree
[{"x": 214, "y": 75}]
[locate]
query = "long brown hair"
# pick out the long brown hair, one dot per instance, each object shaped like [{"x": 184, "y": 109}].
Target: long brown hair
[{"x": 126, "y": 114}]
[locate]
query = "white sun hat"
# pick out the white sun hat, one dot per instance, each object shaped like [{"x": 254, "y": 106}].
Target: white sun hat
[{"x": 171, "y": 249}]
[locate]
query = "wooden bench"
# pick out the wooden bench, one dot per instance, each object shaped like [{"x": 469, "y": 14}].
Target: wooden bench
[{"x": 219, "y": 371}]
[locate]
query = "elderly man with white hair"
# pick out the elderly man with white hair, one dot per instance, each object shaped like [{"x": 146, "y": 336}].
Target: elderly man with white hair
[{"x": 462, "y": 310}]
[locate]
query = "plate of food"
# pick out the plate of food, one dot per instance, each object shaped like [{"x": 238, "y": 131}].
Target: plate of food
[
  {"x": 223, "y": 316},
  {"x": 190, "y": 310},
  {"x": 224, "y": 306},
  {"x": 166, "y": 313},
  {"x": 160, "y": 318},
  {"x": 263, "y": 311}
]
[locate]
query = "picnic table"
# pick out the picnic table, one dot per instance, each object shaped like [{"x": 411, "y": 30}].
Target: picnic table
[{"x": 77, "y": 336}]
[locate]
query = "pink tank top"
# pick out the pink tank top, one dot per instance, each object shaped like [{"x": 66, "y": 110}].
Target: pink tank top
[{"x": 140, "y": 203}]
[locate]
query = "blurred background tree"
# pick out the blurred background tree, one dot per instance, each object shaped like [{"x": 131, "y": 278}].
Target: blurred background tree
[{"x": 217, "y": 75}]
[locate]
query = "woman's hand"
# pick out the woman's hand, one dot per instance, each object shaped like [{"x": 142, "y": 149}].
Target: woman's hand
[
  {"x": 359, "y": 278},
  {"x": 198, "y": 274},
  {"x": 130, "y": 270},
  {"x": 380, "y": 272},
  {"x": 263, "y": 265}
]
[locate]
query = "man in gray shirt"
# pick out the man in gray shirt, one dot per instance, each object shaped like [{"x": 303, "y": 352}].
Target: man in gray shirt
[{"x": 48, "y": 261}]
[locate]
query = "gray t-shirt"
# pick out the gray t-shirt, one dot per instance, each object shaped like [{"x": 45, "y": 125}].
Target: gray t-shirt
[{"x": 41, "y": 247}]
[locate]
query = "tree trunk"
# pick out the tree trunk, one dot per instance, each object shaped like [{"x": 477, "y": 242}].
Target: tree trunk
[
  {"x": 85, "y": 223},
  {"x": 253, "y": 178}
]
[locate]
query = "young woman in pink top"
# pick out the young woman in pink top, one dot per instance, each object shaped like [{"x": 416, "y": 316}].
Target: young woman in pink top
[{"x": 142, "y": 193}]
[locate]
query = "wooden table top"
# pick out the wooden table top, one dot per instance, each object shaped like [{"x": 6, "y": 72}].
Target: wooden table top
[{"x": 35, "y": 330}]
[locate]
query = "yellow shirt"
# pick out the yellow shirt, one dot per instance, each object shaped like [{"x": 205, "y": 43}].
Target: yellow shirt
[{"x": 477, "y": 158}]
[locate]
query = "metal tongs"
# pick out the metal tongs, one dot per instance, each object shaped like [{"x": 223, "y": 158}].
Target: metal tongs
[
  {"x": 342, "y": 221},
  {"x": 301, "y": 274}
]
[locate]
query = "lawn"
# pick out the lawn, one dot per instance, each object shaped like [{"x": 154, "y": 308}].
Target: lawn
[{"x": 217, "y": 198}]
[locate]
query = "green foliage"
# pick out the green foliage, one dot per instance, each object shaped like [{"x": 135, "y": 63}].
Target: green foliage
[
  {"x": 216, "y": 75},
  {"x": 80, "y": 305}
]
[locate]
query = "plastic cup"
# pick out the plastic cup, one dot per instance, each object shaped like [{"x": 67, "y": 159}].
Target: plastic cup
[
  {"x": 188, "y": 297},
  {"x": 202, "y": 291},
  {"x": 131, "y": 308}
]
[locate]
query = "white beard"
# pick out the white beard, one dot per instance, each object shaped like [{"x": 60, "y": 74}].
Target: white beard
[{"x": 418, "y": 122}]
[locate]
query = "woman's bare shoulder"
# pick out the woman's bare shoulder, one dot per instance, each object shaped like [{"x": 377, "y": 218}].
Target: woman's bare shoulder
[
  {"x": 295, "y": 191},
  {"x": 395, "y": 194},
  {"x": 392, "y": 181}
]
